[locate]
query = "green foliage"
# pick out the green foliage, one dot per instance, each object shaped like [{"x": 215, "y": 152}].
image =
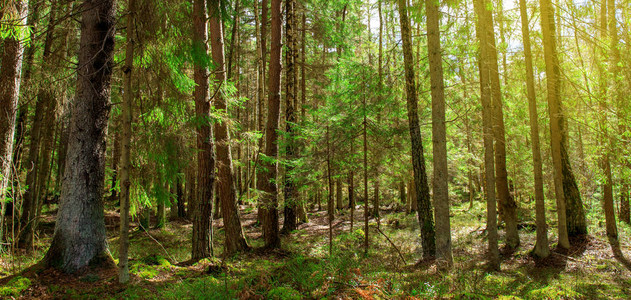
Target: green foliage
[{"x": 15, "y": 287}]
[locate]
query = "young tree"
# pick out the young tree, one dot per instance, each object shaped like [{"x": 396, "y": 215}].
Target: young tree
[
  {"x": 235, "y": 239},
  {"x": 439, "y": 134},
  {"x": 128, "y": 97},
  {"x": 201, "y": 213},
  {"x": 80, "y": 238},
  {"x": 10, "y": 78},
  {"x": 542, "y": 249},
  {"x": 425, "y": 213},
  {"x": 267, "y": 177}
]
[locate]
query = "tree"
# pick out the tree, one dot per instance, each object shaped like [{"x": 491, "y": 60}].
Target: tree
[
  {"x": 425, "y": 213},
  {"x": 556, "y": 117},
  {"x": 235, "y": 239},
  {"x": 128, "y": 96},
  {"x": 267, "y": 179},
  {"x": 439, "y": 135},
  {"x": 486, "y": 96},
  {"x": 11, "y": 66},
  {"x": 80, "y": 239},
  {"x": 202, "y": 225},
  {"x": 542, "y": 249}
]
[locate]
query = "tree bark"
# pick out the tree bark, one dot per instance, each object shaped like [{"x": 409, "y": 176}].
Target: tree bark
[
  {"x": 125, "y": 150},
  {"x": 235, "y": 239},
  {"x": 425, "y": 211},
  {"x": 486, "y": 97},
  {"x": 541, "y": 249},
  {"x": 10, "y": 78},
  {"x": 202, "y": 210},
  {"x": 80, "y": 238},
  {"x": 556, "y": 117},
  {"x": 439, "y": 135},
  {"x": 267, "y": 179}
]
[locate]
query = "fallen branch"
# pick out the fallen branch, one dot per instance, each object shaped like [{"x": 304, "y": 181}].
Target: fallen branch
[{"x": 393, "y": 245}]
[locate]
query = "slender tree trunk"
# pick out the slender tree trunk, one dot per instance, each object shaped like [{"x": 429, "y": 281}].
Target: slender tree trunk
[
  {"x": 487, "y": 119},
  {"x": 556, "y": 117},
  {"x": 330, "y": 205},
  {"x": 267, "y": 179},
  {"x": 235, "y": 239},
  {"x": 542, "y": 249},
  {"x": 439, "y": 135},
  {"x": 425, "y": 211},
  {"x": 125, "y": 150},
  {"x": 80, "y": 237},
  {"x": 202, "y": 210}
]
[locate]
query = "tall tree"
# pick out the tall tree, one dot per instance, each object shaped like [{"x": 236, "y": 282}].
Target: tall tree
[
  {"x": 202, "y": 225},
  {"x": 10, "y": 78},
  {"x": 425, "y": 213},
  {"x": 267, "y": 179},
  {"x": 235, "y": 239},
  {"x": 439, "y": 134},
  {"x": 486, "y": 97},
  {"x": 556, "y": 117},
  {"x": 542, "y": 250},
  {"x": 128, "y": 96},
  {"x": 290, "y": 98},
  {"x": 80, "y": 238}
]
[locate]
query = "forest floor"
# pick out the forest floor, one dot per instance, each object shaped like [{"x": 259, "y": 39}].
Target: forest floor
[{"x": 304, "y": 269}]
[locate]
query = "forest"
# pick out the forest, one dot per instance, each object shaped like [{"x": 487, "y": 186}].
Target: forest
[{"x": 315, "y": 149}]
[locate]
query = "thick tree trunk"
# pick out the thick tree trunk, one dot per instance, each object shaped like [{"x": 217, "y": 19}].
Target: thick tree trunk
[
  {"x": 556, "y": 119},
  {"x": 80, "y": 238},
  {"x": 425, "y": 211},
  {"x": 439, "y": 135},
  {"x": 202, "y": 210},
  {"x": 289, "y": 190},
  {"x": 267, "y": 179},
  {"x": 486, "y": 98},
  {"x": 10, "y": 77},
  {"x": 542, "y": 249}
]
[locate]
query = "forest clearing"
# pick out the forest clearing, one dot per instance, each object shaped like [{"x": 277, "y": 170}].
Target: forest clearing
[{"x": 314, "y": 149}]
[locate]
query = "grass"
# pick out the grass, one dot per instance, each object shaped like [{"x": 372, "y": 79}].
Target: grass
[{"x": 305, "y": 270}]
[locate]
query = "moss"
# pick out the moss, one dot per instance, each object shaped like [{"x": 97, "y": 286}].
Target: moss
[
  {"x": 15, "y": 287},
  {"x": 283, "y": 293}
]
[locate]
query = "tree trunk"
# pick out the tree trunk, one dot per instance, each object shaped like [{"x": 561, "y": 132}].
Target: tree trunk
[
  {"x": 202, "y": 210},
  {"x": 425, "y": 212},
  {"x": 235, "y": 239},
  {"x": 556, "y": 118},
  {"x": 267, "y": 179},
  {"x": 11, "y": 66},
  {"x": 487, "y": 119},
  {"x": 80, "y": 238},
  {"x": 125, "y": 150},
  {"x": 439, "y": 135},
  {"x": 339, "y": 196},
  {"x": 291, "y": 198},
  {"x": 542, "y": 249}
]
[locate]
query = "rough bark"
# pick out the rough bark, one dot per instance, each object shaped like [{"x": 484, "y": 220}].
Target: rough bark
[
  {"x": 125, "y": 144},
  {"x": 201, "y": 212},
  {"x": 556, "y": 118},
  {"x": 486, "y": 98},
  {"x": 541, "y": 250},
  {"x": 439, "y": 135},
  {"x": 10, "y": 77},
  {"x": 79, "y": 239},
  {"x": 267, "y": 177},
  {"x": 425, "y": 211},
  {"x": 289, "y": 190},
  {"x": 235, "y": 239}
]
